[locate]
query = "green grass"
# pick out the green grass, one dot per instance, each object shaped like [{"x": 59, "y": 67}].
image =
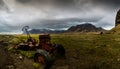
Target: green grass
[
  {"x": 115, "y": 30},
  {"x": 86, "y": 51}
]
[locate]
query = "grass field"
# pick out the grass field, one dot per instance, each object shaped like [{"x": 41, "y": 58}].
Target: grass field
[{"x": 85, "y": 51}]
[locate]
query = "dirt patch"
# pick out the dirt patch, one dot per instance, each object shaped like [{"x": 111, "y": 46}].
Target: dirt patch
[{"x": 6, "y": 60}]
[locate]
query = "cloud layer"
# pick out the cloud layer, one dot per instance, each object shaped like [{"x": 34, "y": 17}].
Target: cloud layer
[{"x": 56, "y": 14}]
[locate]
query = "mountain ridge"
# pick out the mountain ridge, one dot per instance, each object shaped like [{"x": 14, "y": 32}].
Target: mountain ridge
[{"x": 87, "y": 27}]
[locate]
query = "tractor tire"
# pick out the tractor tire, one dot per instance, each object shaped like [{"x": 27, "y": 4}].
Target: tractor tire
[
  {"x": 43, "y": 58},
  {"x": 58, "y": 52}
]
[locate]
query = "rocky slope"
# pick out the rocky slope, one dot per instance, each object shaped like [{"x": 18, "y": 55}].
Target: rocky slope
[
  {"x": 85, "y": 28},
  {"x": 117, "y": 21}
]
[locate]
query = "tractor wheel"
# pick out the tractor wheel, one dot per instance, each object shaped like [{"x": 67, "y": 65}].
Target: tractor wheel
[
  {"x": 58, "y": 52},
  {"x": 39, "y": 58},
  {"x": 43, "y": 58}
]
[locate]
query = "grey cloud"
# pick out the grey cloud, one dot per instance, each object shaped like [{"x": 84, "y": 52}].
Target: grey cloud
[
  {"x": 71, "y": 5},
  {"x": 3, "y": 26},
  {"x": 108, "y": 2},
  {"x": 73, "y": 12},
  {"x": 61, "y": 23},
  {"x": 104, "y": 25},
  {"x": 66, "y": 20},
  {"x": 2, "y": 4},
  {"x": 72, "y": 2},
  {"x": 23, "y": 1},
  {"x": 55, "y": 1}
]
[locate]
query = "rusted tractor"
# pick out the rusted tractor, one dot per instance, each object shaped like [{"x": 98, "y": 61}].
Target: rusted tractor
[{"x": 46, "y": 52}]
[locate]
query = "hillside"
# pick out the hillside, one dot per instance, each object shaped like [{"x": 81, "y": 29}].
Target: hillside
[
  {"x": 115, "y": 30},
  {"x": 85, "y": 28}
]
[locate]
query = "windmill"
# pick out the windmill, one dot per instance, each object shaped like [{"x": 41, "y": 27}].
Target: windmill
[{"x": 25, "y": 29}]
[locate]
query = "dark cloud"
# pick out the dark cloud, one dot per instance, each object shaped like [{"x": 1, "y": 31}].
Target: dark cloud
[
  {"x": 50, "y": 23},
  {"x": 108, "y": 2},
  {"x": 61, "y": 23},
  {"x": 72, "y": 20},
  {"x": 23, "y": 1},
  {"x": 57, "y": 3},
  {"x": 64, "y": 2},
  {"x": 72, "y": 2},
  {"x": 2, "y": 4},
  {"x": 74, "y": 5},
  {"x": 57, "y": 14}
]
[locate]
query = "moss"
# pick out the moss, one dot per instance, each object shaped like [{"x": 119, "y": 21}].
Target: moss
[
  {"x": 38, "y": 66},
  {"x": 28, "y": 54}
]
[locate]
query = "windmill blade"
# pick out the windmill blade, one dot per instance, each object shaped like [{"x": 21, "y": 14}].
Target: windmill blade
[{"x": 25, "y": 28}]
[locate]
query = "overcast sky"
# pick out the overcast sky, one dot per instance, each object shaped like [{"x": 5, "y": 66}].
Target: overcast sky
[{"x": 56, "y": 14}]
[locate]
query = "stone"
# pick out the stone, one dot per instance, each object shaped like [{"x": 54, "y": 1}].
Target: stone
[
  {"x": 63, "y": 67},
  {"x": 117, "y": 21}
]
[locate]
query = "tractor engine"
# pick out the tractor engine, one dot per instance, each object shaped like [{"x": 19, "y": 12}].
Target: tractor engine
[{"x": 45, "y": 43}]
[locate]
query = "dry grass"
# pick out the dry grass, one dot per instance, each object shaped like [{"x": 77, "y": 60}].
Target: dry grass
[{"x": 87, "y": 51}]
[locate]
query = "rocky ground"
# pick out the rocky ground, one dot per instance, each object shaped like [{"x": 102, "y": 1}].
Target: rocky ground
[
  {"x": 14, "y": 60},
  {"x": 9, "y": 60}
]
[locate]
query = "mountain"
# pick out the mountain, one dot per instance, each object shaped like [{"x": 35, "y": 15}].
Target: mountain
[
  {"x": 85, "y": 28},
  {"x": 78, "y": 28},
  {"x": 115, "y": 30},
  {"x": 117, "y": 21},
  {"x": 38, "y": 31}
]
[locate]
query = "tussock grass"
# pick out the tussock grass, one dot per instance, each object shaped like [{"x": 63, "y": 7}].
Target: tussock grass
[{"x": 115, "y": 30}]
